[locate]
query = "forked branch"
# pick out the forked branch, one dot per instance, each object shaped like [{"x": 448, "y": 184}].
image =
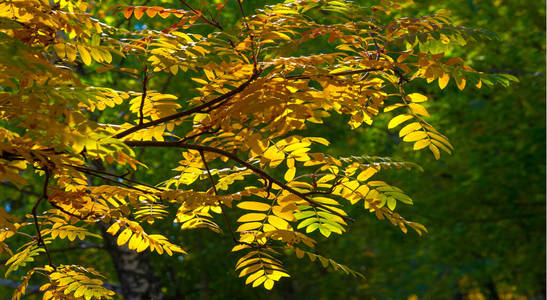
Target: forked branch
[
  {"x": 235, "y": 158},
  {"x": 190, "y": 111}
]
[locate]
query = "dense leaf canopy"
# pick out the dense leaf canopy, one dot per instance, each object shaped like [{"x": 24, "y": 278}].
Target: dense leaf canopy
[{"x": 153, "y": 126}]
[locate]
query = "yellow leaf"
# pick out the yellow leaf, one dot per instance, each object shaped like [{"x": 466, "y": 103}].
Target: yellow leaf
[
  {"x": 268, "y": 284},
  {"x": 392, "y": 107},
  {"x": 319, "y": 140},
  {"x": 282, "y": 35},
  {"x": 124, "y": 236},
  {"x": 289, "y": 175},
  {"x": 84, "y": 54},
  {"x": 442, "y": 146},
  {"x": 249, "y": 226},
  {"x": 418, "y": 109},
  {"x": 251, "y": 217},
  {"x": 199, "y": 80},
  {"x": 398, "y": 120},
  {"x": 209, "y": 74},
  {"x": 259, "y": 281},
  {"x": 443, "y": 80},
  {"x": 435, "y": 151},
  {"x": 366, "y": 174},
  {"x": 184, "y": 36},
  {"x": 113, "y": 229},
  {"x": 60, "y": 49},
  {"x": 415, "y": 136},
  {"x": 278, "y": 223},
  {"x": 70, "y": 53},
  {"x": 252, "y": 205},
  {"x": 409, "y": 128},
  {"x": 441, "y": 138},
  {"x": 416, "y": 97},
  {"x": 254, "y": 276},
  {"x": 422, "y": 144},
  {"x": 460, "y": 82}
]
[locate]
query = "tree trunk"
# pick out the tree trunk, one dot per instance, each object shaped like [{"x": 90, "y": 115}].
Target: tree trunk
[{"x": 134, "y": 270}]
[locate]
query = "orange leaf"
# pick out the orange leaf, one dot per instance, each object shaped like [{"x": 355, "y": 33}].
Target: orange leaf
[
  {"x": 127, "y": 12},
  {"x": 153, "y": 11},
  {"x": 164, "y": 13},
  {"x": 139, "y": 12}
]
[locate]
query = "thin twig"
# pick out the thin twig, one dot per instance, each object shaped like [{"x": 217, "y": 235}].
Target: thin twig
[
  {"x": 201, "y": 16},
  {"x": 34, "y": 215},
  {"x": 144, "y": 88},
  {"x": 251, "y": 36},
  {"x": 186, "y": 138},
  {"x": 90, "y": 172},
  {"x": 226, "y": 220},
  {"x": 123, "y": 177},
  {"x": 69, "y": 213}
]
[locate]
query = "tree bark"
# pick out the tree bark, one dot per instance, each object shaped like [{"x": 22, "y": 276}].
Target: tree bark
[{"x": 134, "y": 270}]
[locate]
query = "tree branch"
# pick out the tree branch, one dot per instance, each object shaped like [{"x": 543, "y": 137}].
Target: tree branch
[
  {"x": 233, "y": 157},
  {"x": 190, "y": 111},
  {"x": 31, "y": 289},
  {"x": 123, "y": 177},
  {"x": 39, "y": 237},
  {"x": 198, "y": 13},
  {"x": 226, "y": 220}
]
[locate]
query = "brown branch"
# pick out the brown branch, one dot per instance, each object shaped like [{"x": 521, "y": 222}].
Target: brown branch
[
  {"x": 31, "y": 289},
  {"x": 233, "y": 157},
  {"x": 123, "y": 177},
  {"x": 10, "y": 185},
  {"x": 226, "y": 220},
  {"x": 191, "y": 111},
  {"x": 39, "y": 237},
  {"x": 207, "y": 131},
  {"x": 201, "y": 16},
  {"x": 69, "y": 213},
  {"x": 90, "y": 172}
]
